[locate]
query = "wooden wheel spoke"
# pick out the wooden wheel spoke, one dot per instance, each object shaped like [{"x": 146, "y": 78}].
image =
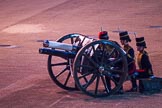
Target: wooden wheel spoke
[
  {"x": 105, "y": 84},
  {"x": 85, "y": 74},
  {"x": 114, "y": 71},
  {"x": 67, "y": 79},
  {"x": 103, "y": 53},
  {"x": 85, "y": 79},
  {"x": 114, "y": 80},
  {"x": 66, "y": 68},
  {"x": 90, "y": 81},
  {"x": 115, "y": 61},
  {"x": 111, "y": 53},
  {"x": 90, "y": 60},
  {"x": 97, "y": 83},
  {"x": 86, "y": 66}
]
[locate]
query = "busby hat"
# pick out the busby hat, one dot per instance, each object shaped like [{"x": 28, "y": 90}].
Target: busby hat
[
  {"x": 140, "y": 42},
  {"x": 103, "y": 35},
  {"x": 124, "y": 36}
]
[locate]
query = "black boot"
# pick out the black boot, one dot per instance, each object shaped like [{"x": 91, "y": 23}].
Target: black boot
[
  {"x": 134, "y": 85},
  {"x": 121, "y": 91}
]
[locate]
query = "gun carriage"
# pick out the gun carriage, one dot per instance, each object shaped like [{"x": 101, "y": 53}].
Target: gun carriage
[{"x": 78, "y": 62}]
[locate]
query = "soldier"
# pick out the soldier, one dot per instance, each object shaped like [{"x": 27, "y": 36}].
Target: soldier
[
  {"x": 125, "y": 39},
  {"x": 104, "y": 35},
  {"x": 144, "y": 64}
]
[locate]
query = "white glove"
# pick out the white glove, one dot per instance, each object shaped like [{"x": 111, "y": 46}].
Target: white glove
[{"x": 152, "y": 76}]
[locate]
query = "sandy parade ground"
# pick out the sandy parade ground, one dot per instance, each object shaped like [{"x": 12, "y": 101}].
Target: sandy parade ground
[{"x": 24, "y": 24}]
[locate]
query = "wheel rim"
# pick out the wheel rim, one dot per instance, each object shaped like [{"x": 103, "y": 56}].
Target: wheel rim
[{"x": 92, "y": 68}]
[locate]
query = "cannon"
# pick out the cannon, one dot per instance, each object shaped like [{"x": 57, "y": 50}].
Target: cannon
[{"x": 98, "y": 68}]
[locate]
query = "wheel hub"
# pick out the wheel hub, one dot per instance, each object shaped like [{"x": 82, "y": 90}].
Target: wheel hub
[{"x": 101, "y": 69}]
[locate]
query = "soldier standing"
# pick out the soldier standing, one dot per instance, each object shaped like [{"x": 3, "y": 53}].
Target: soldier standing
[
  {"x": 144, "y": 64},
  {"x": 125, "y": 39}
]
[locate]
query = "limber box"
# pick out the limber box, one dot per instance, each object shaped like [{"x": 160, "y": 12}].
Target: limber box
[{"x": 150, "y": 86}]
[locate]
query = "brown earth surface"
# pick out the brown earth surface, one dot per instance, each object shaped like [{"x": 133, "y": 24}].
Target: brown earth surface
[{"x": 24, "y": 79}]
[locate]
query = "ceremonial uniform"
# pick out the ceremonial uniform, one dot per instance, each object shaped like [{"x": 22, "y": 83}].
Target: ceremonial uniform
[
  {"x": 130, "y": 57},
  {"x": 144, "y": 64},
  {"x": 104, "y": 35}
]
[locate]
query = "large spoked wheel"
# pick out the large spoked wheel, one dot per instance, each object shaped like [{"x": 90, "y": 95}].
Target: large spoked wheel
[
  {"x": 100, "y": 68},
  {"x": 60, "y": 68}
]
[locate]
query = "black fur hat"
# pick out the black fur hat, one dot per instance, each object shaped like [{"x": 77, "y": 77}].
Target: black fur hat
[
  {"x": 124, "y": 36},
  {"x": 140, "y": 42}
]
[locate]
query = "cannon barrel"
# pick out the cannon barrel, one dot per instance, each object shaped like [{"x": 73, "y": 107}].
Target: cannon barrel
[
  {"x": 58, "y": 53},
  {"x": 59, "y": 45}
]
